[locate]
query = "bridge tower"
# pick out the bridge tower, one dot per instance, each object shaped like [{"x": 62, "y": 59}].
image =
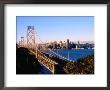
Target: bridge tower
[
  {"x": 31, "y": 44},
  {"x": 21, "y": 42}
]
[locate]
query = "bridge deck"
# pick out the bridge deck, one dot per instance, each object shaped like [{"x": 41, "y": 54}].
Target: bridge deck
[{"x": 47, "y": 62}]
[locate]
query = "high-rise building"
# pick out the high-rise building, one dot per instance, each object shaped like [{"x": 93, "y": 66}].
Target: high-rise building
[{"x": 67, "y": 44}]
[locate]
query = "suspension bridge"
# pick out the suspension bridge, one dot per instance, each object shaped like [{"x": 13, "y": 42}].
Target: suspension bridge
[{"x": 32, "y": 46}]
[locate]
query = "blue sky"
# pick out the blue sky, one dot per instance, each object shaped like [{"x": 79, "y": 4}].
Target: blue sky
[{"x": 57, "y": 28}]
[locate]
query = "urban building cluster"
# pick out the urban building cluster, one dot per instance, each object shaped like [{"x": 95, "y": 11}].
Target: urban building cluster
[{"x": 69, "y": 45}]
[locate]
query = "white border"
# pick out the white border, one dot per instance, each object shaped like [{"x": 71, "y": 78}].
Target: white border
[{"x": 96, "y": 80}]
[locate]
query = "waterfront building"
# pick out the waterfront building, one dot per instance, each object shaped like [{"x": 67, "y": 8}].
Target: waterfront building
[
  {"x": 55, "y": 45},
  {"x": 61, "y": 44},
  {"x": 64, "y": 44}
]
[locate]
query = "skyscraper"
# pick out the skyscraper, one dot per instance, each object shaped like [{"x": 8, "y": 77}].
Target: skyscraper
[{"x": 67, "y": 44}]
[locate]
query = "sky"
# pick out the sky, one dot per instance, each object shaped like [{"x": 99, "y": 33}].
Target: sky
[{"x": 57, "y": 28}]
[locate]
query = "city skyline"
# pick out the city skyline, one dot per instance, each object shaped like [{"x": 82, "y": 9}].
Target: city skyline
[{"x": 57, "y": 28}]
